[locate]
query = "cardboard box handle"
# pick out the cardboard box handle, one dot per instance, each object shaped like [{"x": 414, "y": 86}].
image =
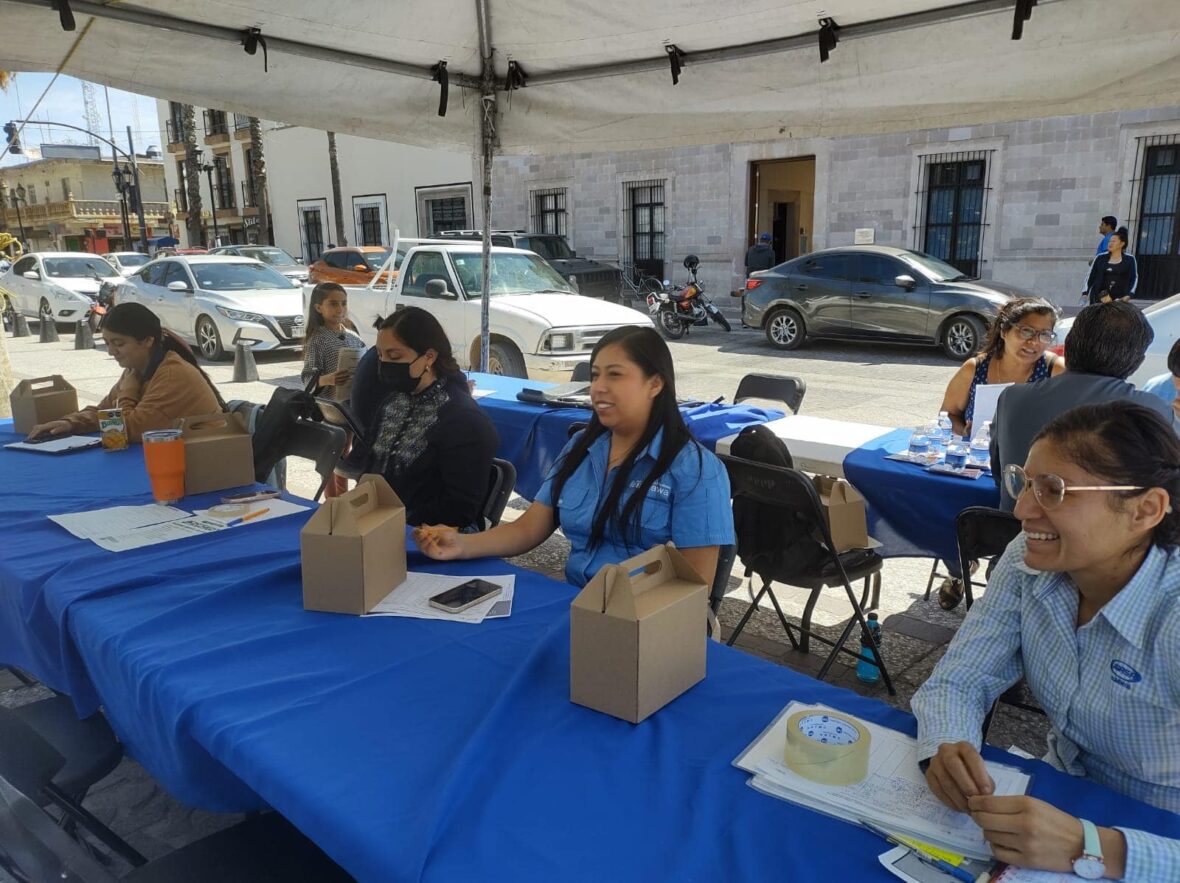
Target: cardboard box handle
[
  {"x": 642, "y": 577},
  {"x": 43, "y": 383},
  {"x": 203, "y": 424}
]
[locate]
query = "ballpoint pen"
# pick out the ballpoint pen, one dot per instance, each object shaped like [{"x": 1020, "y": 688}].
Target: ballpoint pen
[
  {"x": 926, "y": 859},
  {"x": 246, "y": 518}
]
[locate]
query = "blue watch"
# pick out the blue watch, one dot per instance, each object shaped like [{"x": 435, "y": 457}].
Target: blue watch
[{"x": 1089, "y": 865}]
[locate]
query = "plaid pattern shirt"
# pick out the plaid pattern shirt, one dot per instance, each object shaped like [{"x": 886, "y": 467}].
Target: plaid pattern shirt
[
  {"x": 322, "y": 349},
  {"x": 1111, "y": 689}
]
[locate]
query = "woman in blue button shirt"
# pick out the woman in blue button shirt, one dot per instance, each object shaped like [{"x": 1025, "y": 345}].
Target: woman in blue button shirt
[
  {"x": 1085, "y": 605},
  {"x": 634, "y": 478}
]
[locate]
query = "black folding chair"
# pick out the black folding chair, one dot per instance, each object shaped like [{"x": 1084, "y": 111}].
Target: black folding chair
[
  {"x": 792, "y": 492},
  {"x": 34, "y": 848},
  {"x": 773, "y": 387},
  {"x": 986, "y": 533},
  {"x": 500, "y": 488},
  {"x": 322, "y": 443},
  {"x": 581, "y": 373},
  {"x": 576, "y": 427}
]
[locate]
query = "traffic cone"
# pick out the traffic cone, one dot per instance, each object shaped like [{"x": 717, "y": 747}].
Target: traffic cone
[
  {"x": 20, "y": 326},
  {"x": 83, "y": 336},
  {"x": 245, "y": 368},
  {"x": 48, "y": 331}
]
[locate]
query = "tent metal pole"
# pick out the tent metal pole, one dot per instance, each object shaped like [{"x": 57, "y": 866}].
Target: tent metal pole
[{"x": 487, "y": 139}]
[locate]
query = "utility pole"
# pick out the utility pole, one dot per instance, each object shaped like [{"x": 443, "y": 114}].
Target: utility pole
[{"x": 143, "y": 244}]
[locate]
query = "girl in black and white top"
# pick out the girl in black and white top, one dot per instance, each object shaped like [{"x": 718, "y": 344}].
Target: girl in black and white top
[
  {"x": 1113, "y": 274},
  {"x": 327, "y": 331}
]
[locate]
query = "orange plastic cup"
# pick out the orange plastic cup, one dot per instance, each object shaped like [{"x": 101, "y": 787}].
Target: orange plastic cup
[{"x": 163, "y": 452}]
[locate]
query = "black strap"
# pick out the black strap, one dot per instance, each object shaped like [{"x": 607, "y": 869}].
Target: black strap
[
  {"x": 1022, "y": 14},
  {"x": 443, "y": 79}
]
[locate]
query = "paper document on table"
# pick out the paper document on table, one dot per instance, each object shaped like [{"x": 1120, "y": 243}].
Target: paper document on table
[
  {"x": 116, "y": 519},
  {"x": 58, "y": 445},
  {"x": 270, "y": 508},
  {"x": 346, "y": 360},
  {"x": 412, "y": 598},
  {"x": 893, "y": 795},
  {"x": 155, "y": 534},
  {"x": 480, "y": 393},
  {"x": 987, "y": 395}
]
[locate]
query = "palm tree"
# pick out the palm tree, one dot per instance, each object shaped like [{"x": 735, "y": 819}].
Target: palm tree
[
  {"x": 337, "y": 200},
  {"x": 258, "y": 175},
  {"x": 192, "y": 176},
  {"x": 5, "y": 79}
]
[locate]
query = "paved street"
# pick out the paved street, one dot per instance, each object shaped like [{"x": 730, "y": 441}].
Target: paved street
[{"x": 876, "y": 384}]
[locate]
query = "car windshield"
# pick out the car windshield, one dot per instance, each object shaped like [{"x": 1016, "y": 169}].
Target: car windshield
[
  {"x": 82, "y": 268},
  {"x": 133, "y": 260},
  {"x": 276, "y": 257},
  {"x": 510, "y": 274},
  {"x": 552, "y": 248},
  {"x": 935, "y": 269},
  {"x": 238, "y": 277},
  {"x": 376, "y": 258}
]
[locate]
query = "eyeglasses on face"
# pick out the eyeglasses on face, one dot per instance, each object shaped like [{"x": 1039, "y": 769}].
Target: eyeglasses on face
[
  {"x": 1027, "y": 332},
  {"x": 1050, "y": 489}
]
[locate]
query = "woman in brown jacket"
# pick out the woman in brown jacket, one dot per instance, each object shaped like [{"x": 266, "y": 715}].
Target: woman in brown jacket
[{"x": 161, "y": 381}]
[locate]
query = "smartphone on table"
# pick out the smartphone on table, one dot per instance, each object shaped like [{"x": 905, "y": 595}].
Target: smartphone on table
[{"x": 465, "y": 595}]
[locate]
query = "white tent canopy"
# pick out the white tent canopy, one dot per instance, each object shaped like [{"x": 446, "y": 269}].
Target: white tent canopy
[{"x": 598, "y": 76}]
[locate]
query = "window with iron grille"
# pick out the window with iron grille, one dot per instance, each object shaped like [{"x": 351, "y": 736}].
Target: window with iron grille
[
  {"x": 225, "y": 181},
  {"x": 370, "y": 218},
  {"x": 449, "y": 213},
  {"x": 549, "y": 214},
  {"x": 175, "y": 122},
  {"x": 951, "y": 210},
  {"x": 1155, "y": 216},
  {"x": 643, "y": 244}
]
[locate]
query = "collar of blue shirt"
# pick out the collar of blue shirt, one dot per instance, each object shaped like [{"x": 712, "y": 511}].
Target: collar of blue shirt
[{"x": 601, "y": 446}]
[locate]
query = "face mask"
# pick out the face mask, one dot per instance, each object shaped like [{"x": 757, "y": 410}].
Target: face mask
[{"x": 396, "y": 375}]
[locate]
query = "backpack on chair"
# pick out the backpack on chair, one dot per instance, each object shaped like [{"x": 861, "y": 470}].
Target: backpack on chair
[
  {"x": 285, "y": 408},
  {"x": 775, "y": 543}
]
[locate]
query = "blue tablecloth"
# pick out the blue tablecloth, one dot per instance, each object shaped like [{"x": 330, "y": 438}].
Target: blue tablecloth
[
  {"x": 413, "y": 749},
  {"x": 912, "y": 511},
  {"x": 531, "y": 436}
]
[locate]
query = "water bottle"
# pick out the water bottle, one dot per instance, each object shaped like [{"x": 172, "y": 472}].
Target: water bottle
[
  {"x": 919, "y": 443},
  {"x": 946, "y": 427},
  {"x": 980, "y": 454},
  {"x": 956, "y": 454},
  {"x": 867, "y": 671},
  {"x": 937, "y": 441}
]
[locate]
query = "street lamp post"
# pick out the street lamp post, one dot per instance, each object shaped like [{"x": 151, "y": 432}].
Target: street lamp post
[
  {"x": 143, "y": 244},
  {"x": 208, "y": 168},
  {"x": 19, "y": 197},
  {"x": 122, "y": 184}
]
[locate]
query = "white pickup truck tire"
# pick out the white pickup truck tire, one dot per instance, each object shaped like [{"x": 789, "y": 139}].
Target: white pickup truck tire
[{"x": 505, "y": 359}]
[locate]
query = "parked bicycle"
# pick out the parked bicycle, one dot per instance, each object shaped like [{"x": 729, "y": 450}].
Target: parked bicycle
[{"x": 635, "y": 286}]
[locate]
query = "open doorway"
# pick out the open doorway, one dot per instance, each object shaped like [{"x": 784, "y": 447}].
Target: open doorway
[{"x": 782, "y": 203}]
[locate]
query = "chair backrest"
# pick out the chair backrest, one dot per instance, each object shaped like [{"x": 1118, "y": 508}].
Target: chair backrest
[
  {"x": 581, "y": 373},
  {"x": 273, "y": 426},
  {"x": 500, "y": 488},
  {"x": 982, "y": 533},
  {"x": 778, "y": 520},
  {"x": 726, "y": 555},
  {"x": 576, "y": 427},
  {"x": 321, "y": 443},
  {"x": 773, "y": 387}
]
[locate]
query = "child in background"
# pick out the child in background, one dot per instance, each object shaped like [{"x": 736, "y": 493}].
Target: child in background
[{"x": 327, "y": 331}]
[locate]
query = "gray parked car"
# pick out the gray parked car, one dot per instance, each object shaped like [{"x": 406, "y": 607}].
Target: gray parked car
[{"x": 873, "y": 293}]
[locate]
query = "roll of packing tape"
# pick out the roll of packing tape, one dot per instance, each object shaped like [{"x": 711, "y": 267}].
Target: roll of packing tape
[
  {"x": 228, "y": 510},
  {"x": 826, "y": 748}
]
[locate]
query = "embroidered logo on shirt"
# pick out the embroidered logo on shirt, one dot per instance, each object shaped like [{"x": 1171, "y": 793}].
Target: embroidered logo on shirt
[
  {"x": 1123, "y": 674},
  {"x": 661, "y": 491}
]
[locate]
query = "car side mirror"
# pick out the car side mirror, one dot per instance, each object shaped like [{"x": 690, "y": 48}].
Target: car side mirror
[
  {"x": 31, "y": 274},
  {"x": 906, "y": 282},
  {"x": 360, "y": 268},
  {"x": 438, "y": 288},
  {"x": 177, "y": 285}
]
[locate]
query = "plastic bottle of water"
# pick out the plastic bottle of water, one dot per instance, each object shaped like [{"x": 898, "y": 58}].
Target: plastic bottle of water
[
  {"x": 956, "y": 454},
  {"x": 980, "y": 446},
  {"x": 867, "y": 671},
  {"x": 946, "y": 427},
  {"x": 919, "y": 442}
]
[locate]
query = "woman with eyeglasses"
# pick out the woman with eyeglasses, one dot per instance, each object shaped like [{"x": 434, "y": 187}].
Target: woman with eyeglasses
[
  {"x": 1015, "y": 352},
  {"x": 1085, "y": 605}
]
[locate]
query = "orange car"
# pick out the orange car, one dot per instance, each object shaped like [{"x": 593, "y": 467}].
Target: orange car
[{"x": 349, "y": 265}]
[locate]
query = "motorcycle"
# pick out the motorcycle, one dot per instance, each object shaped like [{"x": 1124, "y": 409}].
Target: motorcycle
[
  {"x": 103, "y": 301},
  {"x": 676, "y": 312}
]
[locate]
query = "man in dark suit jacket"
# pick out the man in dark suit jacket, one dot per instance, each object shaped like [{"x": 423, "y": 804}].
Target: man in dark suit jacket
[{"x": 1103, "y": 348}]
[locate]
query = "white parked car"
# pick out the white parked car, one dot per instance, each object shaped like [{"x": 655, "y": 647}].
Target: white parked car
[
  {"x": 209, "y": 300},
  {"x": 126, "y": 262},
  {"x": 1164, "y": 318},
  {"x": 537, "y": 321},
  {"x": 57, "y": 285},
  {"x": 269, "y": 255}
]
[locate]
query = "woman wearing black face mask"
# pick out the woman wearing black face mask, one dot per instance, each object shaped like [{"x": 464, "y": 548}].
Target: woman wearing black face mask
[{"x": 429, "y": 438}]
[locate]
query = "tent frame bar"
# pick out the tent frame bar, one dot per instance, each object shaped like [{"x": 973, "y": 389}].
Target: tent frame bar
[{"x": 874, "y": 28}]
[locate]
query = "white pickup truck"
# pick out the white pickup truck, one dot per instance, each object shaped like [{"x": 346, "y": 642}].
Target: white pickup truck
[{"x": 537, "y": 321}]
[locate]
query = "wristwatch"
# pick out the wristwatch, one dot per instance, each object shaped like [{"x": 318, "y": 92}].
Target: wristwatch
[{"x": 1089, "y": 865}]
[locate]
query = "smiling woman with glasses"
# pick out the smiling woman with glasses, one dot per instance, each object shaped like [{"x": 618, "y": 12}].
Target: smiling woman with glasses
[
  {"x": 1085, "y": 606},
  {"x": 1015, "y": 352}
]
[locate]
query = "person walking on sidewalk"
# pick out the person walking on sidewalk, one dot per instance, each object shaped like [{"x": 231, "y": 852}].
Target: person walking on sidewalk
[
  {"x": 1106, "y": 228},
  {"x": 1114, "y": 274},
  {"x": 760, "y": 255}
]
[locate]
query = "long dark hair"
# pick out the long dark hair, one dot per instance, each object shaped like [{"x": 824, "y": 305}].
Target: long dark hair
[
  {"x": 648, "y": 350},
  {"x": 420, "y": 331},
  {"x": 1125, "y": 444},
  {"x": 138, "y": 322},
  {"x": 314, "y": 321},
  {"x": 1010, "y": 315}
]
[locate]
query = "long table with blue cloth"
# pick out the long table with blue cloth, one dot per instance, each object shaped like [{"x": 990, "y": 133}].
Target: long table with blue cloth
[
  {"x": 532, "y": 435},
  {"x": 411, "y": 749}
]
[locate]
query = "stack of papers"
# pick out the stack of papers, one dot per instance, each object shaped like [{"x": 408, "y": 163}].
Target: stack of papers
[
  {"x": 893, "y": 795},
  {"x": 120, "y": 528},
  {"x": 412, "y": 598},
  {"x": 58, "y": 445}
]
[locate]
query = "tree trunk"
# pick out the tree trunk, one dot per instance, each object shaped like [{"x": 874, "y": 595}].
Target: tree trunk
[
  {"x": 258, "y": 174},
  {"x": 192, "y": 178},
  {"x": 337, "y": 199}
]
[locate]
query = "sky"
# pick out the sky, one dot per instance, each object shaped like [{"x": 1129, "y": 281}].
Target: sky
[{"x": 63, "y": 103}]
